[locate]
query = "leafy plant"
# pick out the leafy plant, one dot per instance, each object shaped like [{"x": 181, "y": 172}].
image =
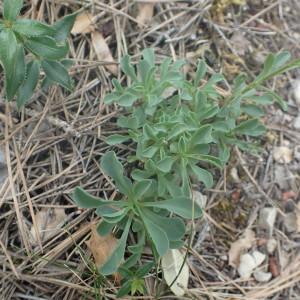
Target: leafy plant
[
  {"x": 46, "y": 45},
  {"x": 181, "y": 129}
]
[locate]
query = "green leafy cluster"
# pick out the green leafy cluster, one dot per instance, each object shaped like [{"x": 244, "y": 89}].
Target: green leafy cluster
[
  {"x": 47, "y": 46},
  {"x": 180, "y": 129}
]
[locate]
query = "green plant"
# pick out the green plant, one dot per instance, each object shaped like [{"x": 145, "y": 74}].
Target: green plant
[
  {"x": 47, "y": 46},
  {"x": 180, "y": 129}
]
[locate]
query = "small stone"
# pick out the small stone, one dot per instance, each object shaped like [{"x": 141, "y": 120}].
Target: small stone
[
  {"x": 271, "y": 245},
  {"x": 267, "y": 218},
  {"x": 261, "y": 276},
  {"x": 290, "y": 222},
  {"x": 297, "y": 152},
  {"x": 2, "y": 158},
  {"x": 283, "y": 154},
  {"x": 296, "y": 91},
  {"x": 246, "y": 266},
  {"x": 234, "y": 175},
  {"x": 248, "y": 262},
  {"x": 258, "y": 257},
  {"x": 296, "y": 123}
]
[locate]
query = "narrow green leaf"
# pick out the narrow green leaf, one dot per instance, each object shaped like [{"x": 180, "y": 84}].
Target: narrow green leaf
[
  {"x": 115, "y": 217},
  {"x": 210, "y": 159},
  {"x": 128, "y": 68},
  {"x": 165, "y": 165},
  {"x": 173, "y": 227},
  {"x": 20, "y": 70},
  {"x": 132, "y": 260},
  {"x": 128, "y": 122},
  {"x": 200, "y": 72},
  {"x": 30, "y": 28},
  {"x": 84, "y": 199},
  {"x": 150, "y": 151},
  {"x": 113, "y": 168},
  {"x": 139, "y": 175},
  {"x": 114, "y": 261},
  {"x": 265, "y": 99},
  {"x": 182, "y": 206},
  {"x": 127, "y": 99},
  {"x": 149, "y": 56},
  {"x": 281, "y": 59},
  {"x": 145, "y": 269},
  {"x": 57, "y": 72},
  {"x": 252, "y": 110},
  {"x": 1, "y": 25},
  {"x": 104, "y": 228},
  {"x": 63, "y": 27},
  {"x": 124, "y": 289},
  {"x": 46, "y": 47},
  {"x": 140, "y": 188},
  {"x": 111, "y": 98},
  {"x": 157, "y": 235},
  {"x": 202, "y": 135},
  {"x": 278, "y": 99},
  {"x": 116, "y": 139},
  {"x": 203, "y": 176},
  {"x": 8, "y": 54},
  {"x": 27, "y": 88},
  {"x": 249, "y": 127},
  {"x": 11, "y": 9},
  {"x": 176, "y": 244}
]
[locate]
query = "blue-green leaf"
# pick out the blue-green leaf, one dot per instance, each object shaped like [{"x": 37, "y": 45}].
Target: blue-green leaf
[
  {"x": 113, "y": 168},
  {"x": 203, "y": 176},
  {"x": 157, "y": 235},
  {"x": 128, "y": 68},
  {"x": 182, "y": 206},
  {"x": 115, "y": 260},
  {"x": 85, "y": 200},
  {"x": 116, "y": 139}
]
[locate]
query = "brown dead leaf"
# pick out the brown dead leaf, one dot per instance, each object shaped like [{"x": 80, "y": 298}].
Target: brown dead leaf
[
  {"x": 103, "y": 52},
  {"x": 101, "y": 246},
  {"x": 288, "y": 195},
  {"x": 237, "y": 247},
  {"x": 145, "y": 13},
  {"x": 84, "y": 23},
  {"x": 49, "y": 222},
  {"x": 273, "y": 266}
]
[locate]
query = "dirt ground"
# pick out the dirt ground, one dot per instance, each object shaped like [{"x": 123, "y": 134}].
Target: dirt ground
[{"x": 55, "y": 144}]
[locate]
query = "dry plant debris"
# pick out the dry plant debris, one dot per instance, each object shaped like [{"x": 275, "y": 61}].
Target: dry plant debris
[
  {"x": 238, "y": 247},
  {"x": 103, "y": 52},
  {"x": 145, "y": 13},
  {"x": 56, "y": 162},
  {"x": 84, "y": 23},
  {"x": 49, "y": 223},
  {"x": 176, "y": 271},
  {"x": 283, "y": 154},
  {"x": 101, "y": 246}
]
